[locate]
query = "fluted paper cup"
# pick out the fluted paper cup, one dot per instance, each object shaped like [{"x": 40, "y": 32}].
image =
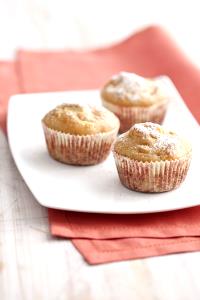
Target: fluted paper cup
[
  {"x": 77, "y": 149},
  {"x": 129, "y": 116},
  {"x": 153, "y": 177}
]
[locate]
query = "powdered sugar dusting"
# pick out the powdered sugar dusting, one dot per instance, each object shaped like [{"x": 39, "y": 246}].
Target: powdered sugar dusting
[
  {"x": 152, "y": 142},
  {"x": 158, "y": 139},
  {"x": 147, "y": 129},
  {"x": 132, "y": 87},
  {"x": 167, "y": 144}
]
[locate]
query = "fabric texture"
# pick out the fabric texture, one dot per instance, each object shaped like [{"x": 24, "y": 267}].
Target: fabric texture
[
  {"x": 9, "y": 85},
  {"x": 104, "y": 238}
]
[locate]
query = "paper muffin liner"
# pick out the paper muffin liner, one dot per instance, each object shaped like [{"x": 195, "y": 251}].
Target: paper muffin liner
[
  {"x": 77, "y": 149},
  {"x": 153, "y": 177},
  {"x": 129, "y": 116}
]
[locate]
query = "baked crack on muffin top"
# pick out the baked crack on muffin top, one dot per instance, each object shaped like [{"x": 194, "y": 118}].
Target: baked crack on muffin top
[
  {"x": 151, "y": 142},
  {"x": 129, "y": 89},
  {"x": 81, "y": 119}
]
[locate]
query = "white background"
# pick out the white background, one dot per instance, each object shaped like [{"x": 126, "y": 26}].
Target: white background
[{"x": 90, "y": 23}]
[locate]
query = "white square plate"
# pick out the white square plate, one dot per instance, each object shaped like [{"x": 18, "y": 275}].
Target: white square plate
[{"x": 94, "y": 188}]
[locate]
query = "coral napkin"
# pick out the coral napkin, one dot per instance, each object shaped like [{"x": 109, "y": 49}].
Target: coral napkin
[
  {"x": 151, "y": 52},
  {"x": 8, "y": 86},
  {"x": 106, "y": 238}
]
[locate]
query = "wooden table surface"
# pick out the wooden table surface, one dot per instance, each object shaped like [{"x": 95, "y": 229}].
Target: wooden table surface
[{"x": 33, "y": 265}]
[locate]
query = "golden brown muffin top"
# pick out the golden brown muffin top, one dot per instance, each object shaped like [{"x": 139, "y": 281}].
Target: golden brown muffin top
[
  {"x": 81, "y": 120},
  {"x": 129, "y": 89},
  {"x": 151, "y": 142}
]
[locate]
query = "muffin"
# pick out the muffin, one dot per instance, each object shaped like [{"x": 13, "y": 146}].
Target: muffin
[
  {"x": 149, "y": 158},
  {"x": 135, "y": 99},
  {"x": 79, "y": 135}
]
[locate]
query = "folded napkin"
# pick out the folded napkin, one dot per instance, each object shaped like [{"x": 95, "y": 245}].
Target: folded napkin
[
  {"x": 8, "y": 86},
  {"x": 104, "y": 238}
]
